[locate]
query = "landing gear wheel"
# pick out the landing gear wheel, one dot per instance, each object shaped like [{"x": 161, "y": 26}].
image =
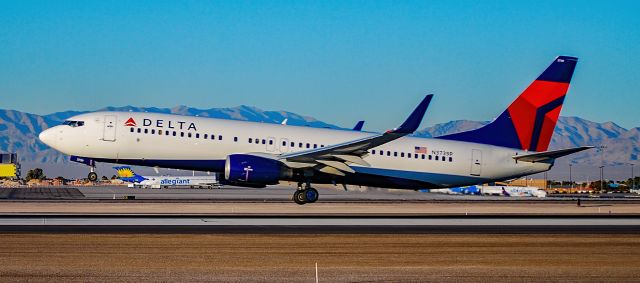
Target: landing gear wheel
[
  {"x": 311, "y": 195},
  {"x": 93, "y": 176},
  {"x": 298, "y": 197}
]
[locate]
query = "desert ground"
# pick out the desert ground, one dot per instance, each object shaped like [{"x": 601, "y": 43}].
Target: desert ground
[{"x": 129, "y": 257}]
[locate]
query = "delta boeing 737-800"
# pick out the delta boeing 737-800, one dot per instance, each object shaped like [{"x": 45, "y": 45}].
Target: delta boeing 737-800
[{"x": 257, "y": 154}]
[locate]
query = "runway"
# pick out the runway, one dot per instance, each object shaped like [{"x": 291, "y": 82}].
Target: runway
[
  {"x": 225, "y": 237},
  {"x": 278, "y": 193},
  {"x": 317, "y": 224}
]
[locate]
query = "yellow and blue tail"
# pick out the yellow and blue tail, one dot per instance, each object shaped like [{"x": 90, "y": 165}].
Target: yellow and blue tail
[{"x": 125, "y": 173}]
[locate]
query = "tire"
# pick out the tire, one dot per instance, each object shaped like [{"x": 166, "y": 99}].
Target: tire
[
  {"x": 311, "y": 195},
  {"x": 298, "y": 197},
  {"x": 93, "y": 176}
]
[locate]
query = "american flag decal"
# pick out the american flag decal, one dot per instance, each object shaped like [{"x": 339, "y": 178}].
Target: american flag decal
[{"x": 421, "y": 150}]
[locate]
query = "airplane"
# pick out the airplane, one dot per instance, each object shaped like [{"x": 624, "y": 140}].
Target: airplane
[
  {"x": 468, "y": 190},
  {"x": 507, "y": 191},
  {"x": 125, "y": 173},
  {"x": 254, "y": 154},
  {"x": 513, "y": 191}
]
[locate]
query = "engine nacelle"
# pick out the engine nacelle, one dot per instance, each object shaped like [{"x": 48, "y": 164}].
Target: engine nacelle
[{"x": 252, "y": 170}]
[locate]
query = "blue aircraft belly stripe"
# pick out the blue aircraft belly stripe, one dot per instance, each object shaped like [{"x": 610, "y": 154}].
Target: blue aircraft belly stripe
[
  {"x": 198, "y": 165},
  {"x": 218, "y": 166},
  {"x": 434, "y": 178}
]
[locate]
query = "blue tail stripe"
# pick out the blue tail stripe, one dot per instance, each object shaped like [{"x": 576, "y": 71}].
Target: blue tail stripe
[{"x": 537, "y": 128}]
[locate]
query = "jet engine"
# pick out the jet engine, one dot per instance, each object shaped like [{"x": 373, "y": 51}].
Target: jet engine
[{"x": 253, "y": 171}]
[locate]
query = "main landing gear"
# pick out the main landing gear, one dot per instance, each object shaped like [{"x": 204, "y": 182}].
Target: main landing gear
[{"x": 306, "y": 195}]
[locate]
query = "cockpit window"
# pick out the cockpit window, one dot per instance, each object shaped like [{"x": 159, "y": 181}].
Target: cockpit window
[{"x": 73, "y": 123}]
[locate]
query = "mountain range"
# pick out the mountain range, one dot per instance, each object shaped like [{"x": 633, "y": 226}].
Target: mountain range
[{"x": 19, "y": 131}]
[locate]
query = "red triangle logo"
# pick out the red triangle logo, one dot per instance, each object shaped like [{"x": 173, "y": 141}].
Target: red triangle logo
[{"x": 130, "y": 123}]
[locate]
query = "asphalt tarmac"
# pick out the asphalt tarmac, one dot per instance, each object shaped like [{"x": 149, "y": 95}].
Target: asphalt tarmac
[
  {"x": 317, "y": 224},
  {"x": 271, "y": 193},
  {"x": 280, "y": 193}
]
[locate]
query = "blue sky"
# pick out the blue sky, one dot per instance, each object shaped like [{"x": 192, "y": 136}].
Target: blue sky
[{"x": 338, "y": 61}]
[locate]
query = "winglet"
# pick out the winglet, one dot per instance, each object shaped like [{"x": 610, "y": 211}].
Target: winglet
[
  {"x": 411, "y": 124},
  {"x": 358, "y": 126}
]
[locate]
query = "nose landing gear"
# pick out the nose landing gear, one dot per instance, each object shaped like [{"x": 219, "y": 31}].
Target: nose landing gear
[
  {"x": 306, "y": 195},
  {"x": 93, "y": 176}
]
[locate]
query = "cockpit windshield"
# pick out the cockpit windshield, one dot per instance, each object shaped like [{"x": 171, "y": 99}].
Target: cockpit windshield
[{"x": 73, "y": 123}]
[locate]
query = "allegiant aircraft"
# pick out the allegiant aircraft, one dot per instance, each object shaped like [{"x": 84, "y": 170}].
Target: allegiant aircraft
[
  {"x": 126, "y": 174},
  {"x": 257, "y": 154}
]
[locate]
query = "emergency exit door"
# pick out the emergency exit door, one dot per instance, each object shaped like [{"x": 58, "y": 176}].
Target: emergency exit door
[
  {"x": 109, "y": 133},
  {"x": 476, "y": 162}
]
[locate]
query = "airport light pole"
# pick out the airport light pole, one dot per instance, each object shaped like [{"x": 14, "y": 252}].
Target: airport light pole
[
  {"x": 633, "y": 178},
  {"x": 570, "y": 179},
  {"x": 601, "y": 148},
  {"x": 601, "y": 178}
]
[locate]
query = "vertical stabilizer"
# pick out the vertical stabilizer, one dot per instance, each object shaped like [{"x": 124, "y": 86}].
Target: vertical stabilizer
[{"x": 529, "y": 121}]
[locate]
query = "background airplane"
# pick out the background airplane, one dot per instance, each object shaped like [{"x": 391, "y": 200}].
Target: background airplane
[
  {"x": 125, "y": 173},
  {"x": 257, "y": 154},
  {"x": 507, "y": 191}
]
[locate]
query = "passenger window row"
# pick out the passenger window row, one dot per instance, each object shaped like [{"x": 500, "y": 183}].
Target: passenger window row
[
  {"x": 219, "y": 137},
  {"x": 177, "y": 134},
  {"x": 412, "y": 155},
  {"x": 284, "y": 143},
  {"x": 259, "y": 141}
]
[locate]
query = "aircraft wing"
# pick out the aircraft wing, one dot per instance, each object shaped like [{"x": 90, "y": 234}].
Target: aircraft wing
[
  {"x": 334, "y": 159},
  {"x": 548, "y": 155}
]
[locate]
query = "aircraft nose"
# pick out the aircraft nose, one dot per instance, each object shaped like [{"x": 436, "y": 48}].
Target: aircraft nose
[{"x": 48, "y": 137}]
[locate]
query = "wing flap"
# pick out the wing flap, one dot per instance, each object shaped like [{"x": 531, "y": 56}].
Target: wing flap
[
  {"x": 353, "y": 159},
  {"x": 337, "y": 164},
  {"x": 331, "y": 170}
]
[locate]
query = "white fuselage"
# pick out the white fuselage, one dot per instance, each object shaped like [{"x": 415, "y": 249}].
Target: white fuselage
[{"x": 177, "y": 141}]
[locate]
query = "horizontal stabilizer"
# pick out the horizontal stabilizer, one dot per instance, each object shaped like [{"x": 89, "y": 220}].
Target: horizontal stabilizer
[{"x": 548, "y": 155}]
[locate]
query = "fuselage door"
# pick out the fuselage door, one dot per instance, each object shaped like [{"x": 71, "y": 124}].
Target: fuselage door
[
  {"x": 109, "y": 128},
  {"x": 476, "y": 162},
  {"x": 271, "y": 144}
]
